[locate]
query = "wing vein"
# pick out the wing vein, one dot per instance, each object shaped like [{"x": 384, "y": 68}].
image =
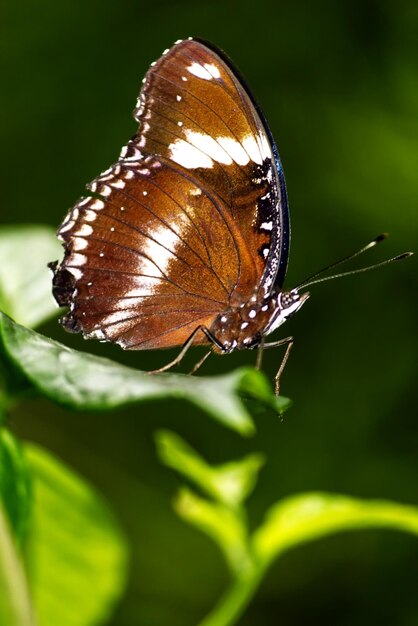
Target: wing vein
[
  {"x": 192, "y": 95},
  {"x": 162, "y": 278},
  {"x": 211, "y": 197},
  {"x": 166, "y": 332},
  {"x": 241, "y": 167}
]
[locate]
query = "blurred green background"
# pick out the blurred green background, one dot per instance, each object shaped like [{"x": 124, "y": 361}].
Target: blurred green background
[{"x": 338, "y": 83}]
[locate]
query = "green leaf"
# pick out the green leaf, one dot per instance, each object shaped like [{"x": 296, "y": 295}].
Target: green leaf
[
  {"x": 309, "y": 516},
  {"x": 15, "y": 604},
  {"x": 76, "y": 551},
  {"x": 12, "y": 383},
  {"x": 230, "y": 483},
  {"x": 295, "y": 521},
  {"x": 259, "y": 388},
  {"x": 25, "y": 280},
  {"x": 222, "y": 524},
  {"x": 84, "y": 381},
  {"x": 15, "y": 489}
]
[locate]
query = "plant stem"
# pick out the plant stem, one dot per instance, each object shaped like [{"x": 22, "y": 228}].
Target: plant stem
[{"x": 233, "y": 603}]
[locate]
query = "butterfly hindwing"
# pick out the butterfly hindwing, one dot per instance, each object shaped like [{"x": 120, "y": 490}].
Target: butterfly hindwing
[{"x": 149, "y": 258}]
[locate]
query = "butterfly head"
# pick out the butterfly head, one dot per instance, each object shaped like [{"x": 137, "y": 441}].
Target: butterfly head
[{"x": 287, "y": 303}]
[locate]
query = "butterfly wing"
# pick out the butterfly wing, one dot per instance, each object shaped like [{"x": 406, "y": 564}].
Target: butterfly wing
[
  {"x": 178, "y": 229},
  {"x": 148, "y": 259},
  {"x": 195, "y": 110}
]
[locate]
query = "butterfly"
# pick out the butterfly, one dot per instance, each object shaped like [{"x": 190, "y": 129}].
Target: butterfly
[{"x": 185, "y": 240}]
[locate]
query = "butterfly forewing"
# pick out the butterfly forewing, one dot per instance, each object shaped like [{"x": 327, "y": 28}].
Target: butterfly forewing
[{"x": 194, "y": 110}]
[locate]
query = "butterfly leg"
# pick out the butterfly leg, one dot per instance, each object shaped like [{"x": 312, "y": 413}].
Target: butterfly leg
[
  {"x": 281, "y": 368},
  {"x": 276, "y": 344},
  {"x": 184, "y": 349},
  {"x": 259, "y": 355},
  {"x": 199, "y": 363}
]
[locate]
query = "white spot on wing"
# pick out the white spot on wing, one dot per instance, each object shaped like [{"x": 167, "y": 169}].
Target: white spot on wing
[
  {"x": 79, "y": 244},
  {"x": 264, "y": 147},
  {"x": 214, "y": 71},
  {"x": 83, "y": 231},
  {"x": 161, "y": 250},
  {"x": 198, "y": 70},
  {"x": 188, "y": 155},
  {"x": 66, "y": 226},
  {"x": 97, "y": 334},
  {"x": 118, "y": 183},
  {"x": 253, "y": 149},
  {"x": 89, "y": 216},
  {"x": 207, "y": 144},
  {"x": 75, "y": 271},
  {"x": 234, "y": 149},
  {"x": 136, "y": 154},
  {"x": 105, "y": 190},
  {"x": 224, "y": 149},
  {"x": 97, "y": 204},
  {"x": 77, "y": 260},
  {"x": 208, "y": 71},
  {"x": 113, "y": 318}
]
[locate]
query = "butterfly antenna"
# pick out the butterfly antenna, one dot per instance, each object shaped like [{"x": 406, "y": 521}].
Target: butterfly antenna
[{"x": 312, "y": 280}]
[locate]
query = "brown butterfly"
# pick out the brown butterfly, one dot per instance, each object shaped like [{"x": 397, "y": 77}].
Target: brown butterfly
[{"x": 186, "y": 238}]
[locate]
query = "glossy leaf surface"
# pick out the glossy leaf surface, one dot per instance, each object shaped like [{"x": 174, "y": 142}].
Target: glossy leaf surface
[{"x": 84, "y": 381}]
